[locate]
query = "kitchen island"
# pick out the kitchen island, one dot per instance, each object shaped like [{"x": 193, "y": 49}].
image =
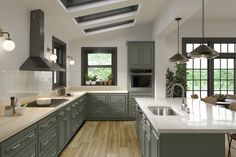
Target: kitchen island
[{"x": 201, "y": 132}]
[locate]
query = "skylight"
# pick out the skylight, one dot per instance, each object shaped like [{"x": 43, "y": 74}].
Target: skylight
[
  {"x": 78, "y": 5},
  {"x": 101, "y": 15},
  {"x": 109, "y": 27}
]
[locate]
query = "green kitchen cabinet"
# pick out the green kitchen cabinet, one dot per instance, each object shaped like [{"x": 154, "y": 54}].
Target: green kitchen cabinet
[
  {"x": 141, "y": 55},
  {"x": 61, "y": 129},
  {"x": 29, "y": 151},
  {"x": 52, "y": 151},
  {"x": 155, "y": 144},
  {"x": 104, "y": 106},
  {"x": 132, "y": 103},
  {"x": 20, "y": 143}
]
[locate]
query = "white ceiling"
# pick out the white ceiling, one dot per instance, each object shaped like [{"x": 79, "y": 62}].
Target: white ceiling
[
  {"x": 218, "y": 11},
  {"x": 57, "y": 18}
]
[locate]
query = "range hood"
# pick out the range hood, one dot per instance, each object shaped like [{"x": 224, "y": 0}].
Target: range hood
[{"x": 36, "y": 61}]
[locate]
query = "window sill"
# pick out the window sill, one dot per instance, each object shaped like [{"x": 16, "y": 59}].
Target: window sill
[{"x": 97, "y": 85}]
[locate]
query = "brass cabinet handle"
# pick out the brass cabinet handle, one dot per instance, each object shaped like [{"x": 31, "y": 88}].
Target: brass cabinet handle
[
  {"x": 54, "y": 154},
  {"x": 44, "y": 125},
  {"x": 54, "y": 135}
]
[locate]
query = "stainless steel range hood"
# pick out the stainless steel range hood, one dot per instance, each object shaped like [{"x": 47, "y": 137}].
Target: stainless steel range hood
[{"x": 36, "y": 61}]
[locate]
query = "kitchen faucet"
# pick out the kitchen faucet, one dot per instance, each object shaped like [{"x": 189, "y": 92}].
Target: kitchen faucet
[{"x": 183, "y": 106}]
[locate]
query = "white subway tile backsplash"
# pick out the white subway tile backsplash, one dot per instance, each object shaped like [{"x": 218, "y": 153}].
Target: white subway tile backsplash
[{"x": 23, "y": 83}]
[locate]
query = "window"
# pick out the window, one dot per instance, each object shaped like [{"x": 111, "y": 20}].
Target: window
[
  {"x": 214, "y": 76},
  {"x": 100, "y": 61},
  {"x": 59, "y": 48}
]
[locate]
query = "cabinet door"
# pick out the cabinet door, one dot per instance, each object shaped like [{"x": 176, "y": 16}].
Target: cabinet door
[
  {"x": 142, "y": 138},
  {"x": 61, "y": 134},
  {"x": 28, "y": 151},
  {"x": 147, "y": 144},
  {"x": 134, "y": 56},
  {"x": 67, "y": 129},
  {"x": 147, "y": 55},
  {"x": 155, "y": 151}
]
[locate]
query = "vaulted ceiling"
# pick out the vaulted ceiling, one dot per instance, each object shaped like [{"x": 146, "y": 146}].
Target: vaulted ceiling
[{"x": 61, "y": 17}]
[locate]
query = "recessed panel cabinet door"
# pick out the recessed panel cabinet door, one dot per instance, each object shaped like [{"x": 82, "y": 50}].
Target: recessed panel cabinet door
[
  {"x": 134, "y": 56},
  {"x": 155, "y": 151},
  {"x": 147, "y": 55},
  {"x": 61, "y": 134}
]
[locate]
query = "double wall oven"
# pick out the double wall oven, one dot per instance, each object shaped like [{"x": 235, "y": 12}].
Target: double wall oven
[{"x": 141, "y": 80}]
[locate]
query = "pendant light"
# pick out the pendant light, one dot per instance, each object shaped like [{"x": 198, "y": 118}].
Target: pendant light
[
  {"x": 203, "y": 51},
  {"x": 178, "y": 58}
]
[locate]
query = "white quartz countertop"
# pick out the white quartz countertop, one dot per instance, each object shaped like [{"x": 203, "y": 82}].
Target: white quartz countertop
[
  {"x": 11, "y": 125},
  {"x": 203, "y": 117}
]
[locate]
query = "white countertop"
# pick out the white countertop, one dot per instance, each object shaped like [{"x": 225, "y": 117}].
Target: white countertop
[
  {"x": 203, "y": 117},
  {"x": 11, "y": 125}
]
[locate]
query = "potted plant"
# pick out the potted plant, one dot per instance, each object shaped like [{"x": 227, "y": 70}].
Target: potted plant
[
  {"x": 109, "y": 79},
  {"x": 87, "y": 79},
  {"x": 93, "y": 80}
]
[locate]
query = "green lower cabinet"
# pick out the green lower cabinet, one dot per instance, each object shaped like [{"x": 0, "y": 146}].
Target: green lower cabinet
[
  {"x": 155, "y": 145},
  {"x": 47, "y": 139},
  {"x": 147, "y": 142},
  {"x": 52, "y": 151},
  {"x": 29, "y": 151},
  {"x": 105, "y": 106},
  {"x": 67, "y": 134},
  {"x": 20, "y": 142},
  {"x": 142, "y": 139}
]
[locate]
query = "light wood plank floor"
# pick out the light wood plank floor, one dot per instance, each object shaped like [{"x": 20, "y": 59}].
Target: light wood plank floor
[
  {"x": 104, "y": 139},
  {"x": 109, "y": 139}
]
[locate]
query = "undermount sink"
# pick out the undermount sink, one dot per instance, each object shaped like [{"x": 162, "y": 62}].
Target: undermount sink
[{"x": 162, "y": 111}]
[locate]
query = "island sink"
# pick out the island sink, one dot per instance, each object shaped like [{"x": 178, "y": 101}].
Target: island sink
[{"x": 162, "y": 111}]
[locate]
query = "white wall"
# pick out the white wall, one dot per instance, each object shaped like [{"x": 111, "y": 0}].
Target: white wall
[
  {"x": 113, "y": 39},
  {"x": 166, "y": 46},
  {"x": 15, "y": 19}
]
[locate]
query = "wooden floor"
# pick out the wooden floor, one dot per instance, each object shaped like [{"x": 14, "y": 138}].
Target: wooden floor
[
  {"x": 104, "y": 139},
  {"x": 109, "y": 139}
]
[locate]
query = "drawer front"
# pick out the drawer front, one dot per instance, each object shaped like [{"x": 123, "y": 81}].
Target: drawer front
[
  {"x": 19, "y": 141},
  {"x": 47, "y": 139},
  {"x": 51, "y": 152},
  {"x": 132, "y": 112},
  {"x": 29, "y": 151},
  {"x": 118, "y": 111},
  {"x": 118, "y": 99},
  {"x": 74, "y": 105},
  {"x": 74, "y": 122},
  {"x": 132, "y": 96},
  {"x": 61, "y": 114},
  {"x": 132, "y": 104},
  {"x": 99, "y": 111},
  {"x": 67, "y": 110},
  {"x": 98, "y": 99},
  {"x": 47, "y": 123}
]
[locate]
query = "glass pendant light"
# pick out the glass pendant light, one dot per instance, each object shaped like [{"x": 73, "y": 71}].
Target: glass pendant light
[
  {"x": 203, "y": 51},
  {"x": 178, "y": 57}
]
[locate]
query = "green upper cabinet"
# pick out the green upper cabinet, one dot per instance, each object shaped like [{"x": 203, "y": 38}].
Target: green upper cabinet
[{"x": 141, "y": 55}]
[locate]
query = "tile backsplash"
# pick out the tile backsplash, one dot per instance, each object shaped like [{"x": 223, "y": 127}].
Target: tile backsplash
[{"x": 23, "y": 83}]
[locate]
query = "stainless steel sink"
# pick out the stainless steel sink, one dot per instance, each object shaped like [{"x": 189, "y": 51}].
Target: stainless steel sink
[
  {"x": 54, "y": 103},
  {"x": 162, "y": 111}
]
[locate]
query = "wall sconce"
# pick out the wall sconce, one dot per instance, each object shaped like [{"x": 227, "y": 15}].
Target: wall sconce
[
  {"x": 53, "y": 56},
  {"x": 71, "y": 60},
  {"x": 7, "y": 45}
]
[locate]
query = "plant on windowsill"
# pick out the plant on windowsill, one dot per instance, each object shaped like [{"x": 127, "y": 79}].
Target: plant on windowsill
[
  {"x": 87, "y": 79},
  {"x": 109, "y": 79},
  {"x": 93, "y": 80}
]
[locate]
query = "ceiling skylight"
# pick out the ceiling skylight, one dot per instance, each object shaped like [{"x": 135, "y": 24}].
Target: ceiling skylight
[
  {"x": 110, "y": 27},
  {"x": 78, "y": 5},
  {"x": 108, "y": 14}
]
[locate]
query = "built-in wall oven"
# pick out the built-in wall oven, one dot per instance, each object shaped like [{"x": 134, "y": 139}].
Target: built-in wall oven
[{"x": 141, "y": 80}]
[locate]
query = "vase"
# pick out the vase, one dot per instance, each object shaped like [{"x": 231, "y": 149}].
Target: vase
[
  {"x": 87, "y": 82},
  {"x": 93, "y": 82},
  {"x": 109, "y": 82}
]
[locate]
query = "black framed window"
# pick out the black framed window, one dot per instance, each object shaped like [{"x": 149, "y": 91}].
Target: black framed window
[
  {"x": 59, "y": 48},
  {"x": 99, "y": 61},
  {"x": 214, "y": 76}
]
